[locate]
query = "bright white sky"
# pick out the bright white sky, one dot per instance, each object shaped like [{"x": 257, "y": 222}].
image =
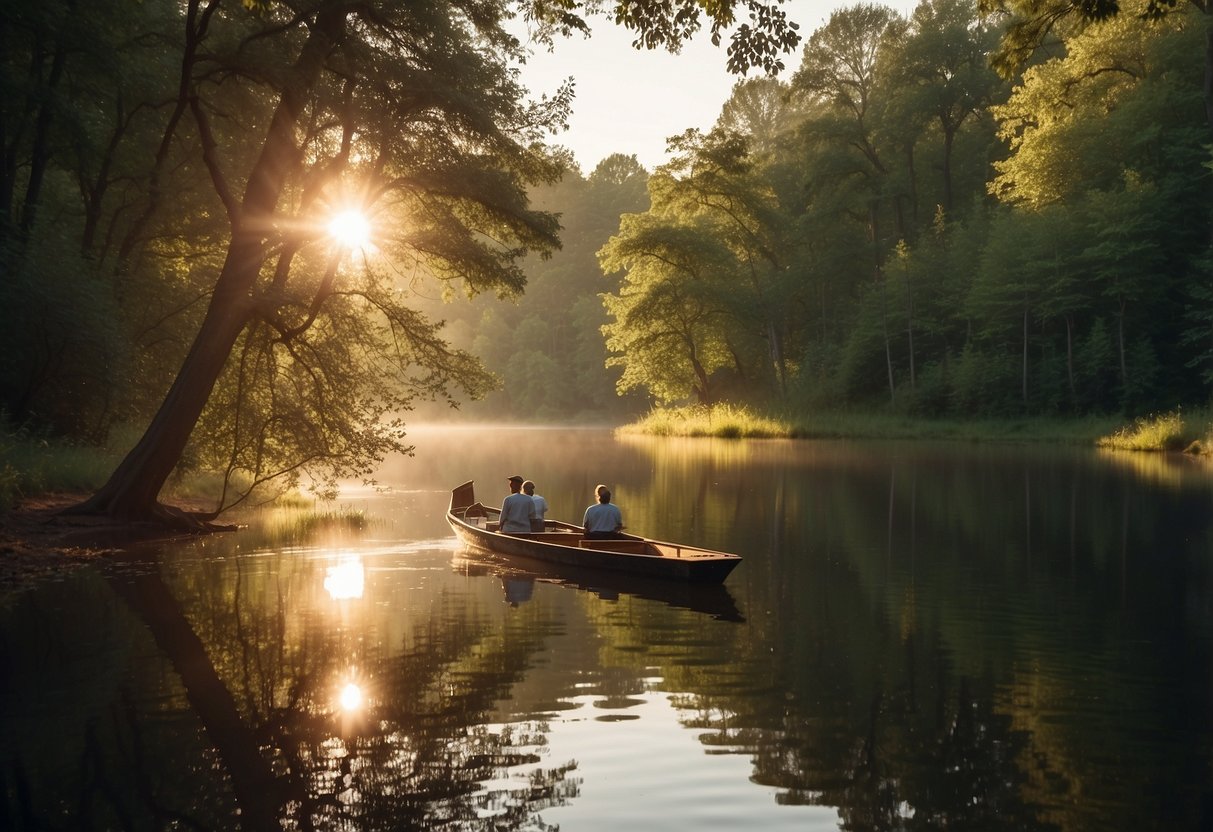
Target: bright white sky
[{"x": 629, "y": 101}]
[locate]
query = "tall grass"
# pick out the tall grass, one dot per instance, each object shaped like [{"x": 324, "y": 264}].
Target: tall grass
[
  {"x": 31, "y": 466},
  {"x": 1171, "y": 431},
  {"x": 733, "y": 422},
  {"x": 724, "y": 421}
]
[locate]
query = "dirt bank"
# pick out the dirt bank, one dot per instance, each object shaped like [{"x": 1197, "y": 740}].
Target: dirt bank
[{"x": 39, "y": 542}]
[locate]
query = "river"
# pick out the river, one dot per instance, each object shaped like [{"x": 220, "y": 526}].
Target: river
[{"x": 921, "y": 636}]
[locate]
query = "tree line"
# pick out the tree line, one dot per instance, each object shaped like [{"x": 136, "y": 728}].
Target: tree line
[
  {"x": 896, "y": 225},
  {"x": 893, "y": 224}
]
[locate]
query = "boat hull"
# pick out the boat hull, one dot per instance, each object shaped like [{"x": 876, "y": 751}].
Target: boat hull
[{"x": 564, "y": 544}]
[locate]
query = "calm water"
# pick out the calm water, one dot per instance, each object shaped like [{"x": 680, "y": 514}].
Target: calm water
[{"x": 921, "y": 636}]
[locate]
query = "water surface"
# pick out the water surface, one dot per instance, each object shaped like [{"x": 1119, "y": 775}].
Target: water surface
[{"x": 921, "y": 636}]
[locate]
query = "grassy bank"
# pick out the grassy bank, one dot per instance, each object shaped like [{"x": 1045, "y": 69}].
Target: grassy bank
[
  {"x": 1191, "y": 432},
  {"x": 1168, "y": 432},
  {"x": 30, "y": 467}
]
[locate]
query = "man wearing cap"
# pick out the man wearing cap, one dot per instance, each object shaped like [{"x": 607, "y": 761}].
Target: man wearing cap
[{"x": 518, "y": 508}]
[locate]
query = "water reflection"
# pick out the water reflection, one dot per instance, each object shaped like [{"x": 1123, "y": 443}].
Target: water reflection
[
  {"x": 920, "y": 637},
  {"x": 518, "y": 577}
]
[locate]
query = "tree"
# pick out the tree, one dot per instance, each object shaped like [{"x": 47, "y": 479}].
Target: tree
[
  {"x": 760, "y": 109},
  {"x": 942, "y": 67},
  {"x": 406, "y": 110},
  {"x": 1032, "y": 21},
  {"x": 671, "y": 313}
]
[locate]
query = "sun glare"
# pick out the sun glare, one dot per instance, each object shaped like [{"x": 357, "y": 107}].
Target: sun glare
[
  {"x": 351, "y": 697},
  {"x": 346, "y": 580},
  {"x": 351, "y": 230}
]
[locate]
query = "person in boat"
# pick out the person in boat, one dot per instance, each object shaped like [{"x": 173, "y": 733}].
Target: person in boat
[
  {"x": 518, "y": 510},
  {"x": 603, "y": 520},
  {"x": 541, "y": 505}
]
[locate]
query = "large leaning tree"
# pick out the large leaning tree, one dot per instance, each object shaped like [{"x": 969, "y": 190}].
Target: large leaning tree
[{"x": 408, "y": 113}]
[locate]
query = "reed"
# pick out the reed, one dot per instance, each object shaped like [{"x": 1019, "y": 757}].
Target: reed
[
  {"x": 296, "y": 522},
  {"x": 724, "y": 421},
  {"x": 732, "y": 422},
  {"x": 1172, "y": 431}
]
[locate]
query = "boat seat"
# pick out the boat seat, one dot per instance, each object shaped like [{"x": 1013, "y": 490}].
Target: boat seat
[{"x": 631, "y": 547}]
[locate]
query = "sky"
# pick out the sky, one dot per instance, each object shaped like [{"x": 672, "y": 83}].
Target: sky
[{"x": 629, "y": 101}]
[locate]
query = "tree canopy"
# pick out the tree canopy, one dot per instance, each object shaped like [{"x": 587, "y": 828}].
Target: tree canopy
[{"x": 206, "y": 186}]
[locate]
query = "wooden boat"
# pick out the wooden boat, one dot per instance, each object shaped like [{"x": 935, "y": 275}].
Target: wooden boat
[{"x": 476, "y": 526}]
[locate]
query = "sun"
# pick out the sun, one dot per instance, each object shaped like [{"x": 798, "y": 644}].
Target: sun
[{"x": 350, "y": 229}]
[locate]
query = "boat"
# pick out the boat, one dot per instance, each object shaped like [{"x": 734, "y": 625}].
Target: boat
[{"x": 477, "y": 527}]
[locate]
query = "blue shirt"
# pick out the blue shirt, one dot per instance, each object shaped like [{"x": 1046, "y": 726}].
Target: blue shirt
[
  {"x": 516, "y": 513},
  {"x": 603, "y": 517}
]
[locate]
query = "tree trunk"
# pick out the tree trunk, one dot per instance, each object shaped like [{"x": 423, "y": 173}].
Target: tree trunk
[
  {"x": 40, "y": 155},
  {"x": 888, "y": 351},
  {"x": 1070, "y": 360},
  {"x": 1207, "y": 11},
  {"x": 1024, "y": 383},
  {"x": 1120, "y": 345},
  {"x": 949, "y": 137},
  {"x": 781, "y": 370},
  {"x": 701, "y": 390},
  {"x": 873, "y": 229},
  {"x": 132, "y": 490},
  {"x": 196, "y": 23},
  {"x": 910, "y": 324},
  {"x": 94, "y": 192},
  {"x": 912, "y": 176}
]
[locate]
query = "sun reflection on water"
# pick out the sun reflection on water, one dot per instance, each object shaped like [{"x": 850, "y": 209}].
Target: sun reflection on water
[
  {"x": 346, "y": 579},
  {"x": 351, "y": 698}
]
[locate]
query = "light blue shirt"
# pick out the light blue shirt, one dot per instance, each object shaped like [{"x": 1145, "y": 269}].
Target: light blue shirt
[
  {"x": 516, "y": 513},
  {"x": 603, "y": 517}
]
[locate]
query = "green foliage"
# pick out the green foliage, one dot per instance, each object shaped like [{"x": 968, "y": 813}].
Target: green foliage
[
  {"x": 33, "y": 464},
  {"x": 892, "y": 228}
]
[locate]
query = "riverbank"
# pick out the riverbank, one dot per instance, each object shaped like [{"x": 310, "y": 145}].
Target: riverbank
[
  {"x": 1172, "y": 431},
  {"x": 730, "y": 422},
  {"x": 38, "y": 542}
]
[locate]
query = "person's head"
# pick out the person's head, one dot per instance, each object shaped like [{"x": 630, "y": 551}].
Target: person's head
[
  {"x": 603, "y": 494},
  {"x": 515, "y": 484},
  {"x": 528, "y": 488}
]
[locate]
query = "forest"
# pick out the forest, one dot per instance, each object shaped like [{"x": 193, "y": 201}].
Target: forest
[
  {"x": 965, "y": 212},
  {"x": 895, "y": 226}
]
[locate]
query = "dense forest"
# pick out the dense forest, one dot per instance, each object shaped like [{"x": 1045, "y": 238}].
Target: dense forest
[
  {"x": 896, "y": 226},
  {"x": 888, "y": 223}
]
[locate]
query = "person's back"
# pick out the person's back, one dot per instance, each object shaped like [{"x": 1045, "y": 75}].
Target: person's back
[
  {"x": 603, "y": 520},
  {"x": 541, "y": 506},
  {"x": 517, "y": 510}
]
